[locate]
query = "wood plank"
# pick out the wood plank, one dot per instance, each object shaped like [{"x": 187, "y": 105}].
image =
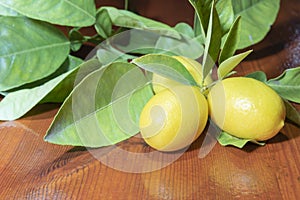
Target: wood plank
[{"x": 33, "y": 169}]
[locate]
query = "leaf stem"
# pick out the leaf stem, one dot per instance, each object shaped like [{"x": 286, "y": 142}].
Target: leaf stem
[
  {"x": 126, "y": 3},
  {"x": 95, "y": 39}
]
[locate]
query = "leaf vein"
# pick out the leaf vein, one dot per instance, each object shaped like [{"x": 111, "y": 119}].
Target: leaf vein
[
  {"x": 35, "y": 49},
  {"x": 103, "y": 107},
  {"x": 77, "y": 7}
]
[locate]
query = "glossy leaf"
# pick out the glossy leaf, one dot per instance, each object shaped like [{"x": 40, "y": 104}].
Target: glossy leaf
[
  {"x": 231, "y": 41},
  {"x": 103, "y": 109},
  {"x": 4, "y": 11},
  {"x": 136, "y": 41},
  {"x": 212, "y": 43},
  {"x": 258, "y": 75},
  {"x": 30, "y": 50},
  {"x": 149, "y": 42},
  {"x": 198, "y": 31},
  {"x": 166, "y": 66},
  {"x": 68, "y": 65},
  {"x": 228, "y": 65},
  {"x": 128, "y": 19},
  {"x": 202, "y": 9},
  {"x": 257, "y": 16},
  {"x": 76, "y": 39},
  {"x": 103, "y": 23},
  {"x": 109, "y": 54},
  {"x": 18, "y": 103},
  {"x": 67, "y": 13},
  {"x": 185, "y": 29},
  {"x": 226, "y": 139},
  {"x": 188, "y": 47},
  {"x": 64, "y": 88},
  {"x": 225, "y": 12},
  {"x": 287, "y": 85}
]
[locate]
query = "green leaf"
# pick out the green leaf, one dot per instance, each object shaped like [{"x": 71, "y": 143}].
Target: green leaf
[
  {"x": 18, "y": 103},
  {"x": 257, "y": 16},
  {"x": 135, "y": 41},
  {"x": 231, "y": 41},
  {"x": 226, "y": 15},
  {"x": 64, "y": 88},
  {"x": 103, "y": 109},
  {"x": 141, "y": 42},
  {"x": 185, "y": 29},
  {"x": 30, "y": 50},
  {"x": 226, "y": 139},
  {"x": 103, "y": 23},
  {"x": 202, "y": 9},
  {"x": 110, "y": 54},
  {"x": 212, "y": 43},
  {"x": 197, "y": 27},
  {"x": 228, "y": 65},
  {"x": 287, "y": 85},
  {"x": 166, "y": 66},
  {"x": 66, "y": 13},
  {"x": 127, "y": 19},
  {"x": 4, "y": 11},
  {"x": 258, "y": 75},
  {"x": 76, "y": 39},
  {"x": 292, "y": 114},
  {"x": 188, "y": 47},
  {"x": 68, "y": 65}
]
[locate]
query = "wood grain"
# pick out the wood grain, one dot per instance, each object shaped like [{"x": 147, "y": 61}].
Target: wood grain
[{"x": 33, "y": 169}]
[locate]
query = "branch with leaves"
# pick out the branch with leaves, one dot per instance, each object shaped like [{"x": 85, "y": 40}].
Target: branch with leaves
[{"x": 37, "y": 65}]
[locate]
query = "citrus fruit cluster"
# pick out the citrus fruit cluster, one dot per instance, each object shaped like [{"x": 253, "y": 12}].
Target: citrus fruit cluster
[{"x": 177, "y": 114}]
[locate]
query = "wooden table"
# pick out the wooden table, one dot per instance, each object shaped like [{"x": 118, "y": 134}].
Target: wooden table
[{"x": 33, "y": 169}]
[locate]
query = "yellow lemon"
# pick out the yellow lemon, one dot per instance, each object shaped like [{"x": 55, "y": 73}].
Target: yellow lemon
[
  {"x": 246, "y": 108},
  {"x": 174, "y": 118},
  {"x": 160, "y": 83}
]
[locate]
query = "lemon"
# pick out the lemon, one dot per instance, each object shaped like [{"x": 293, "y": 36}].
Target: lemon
[
  {"x": 160, "y": 83},
  {"x": 174, "y": 118},
  {"x": 246, "y": 108}
]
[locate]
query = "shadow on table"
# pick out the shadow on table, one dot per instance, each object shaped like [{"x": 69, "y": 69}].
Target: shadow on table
[{"x": 41, "y": 111}]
